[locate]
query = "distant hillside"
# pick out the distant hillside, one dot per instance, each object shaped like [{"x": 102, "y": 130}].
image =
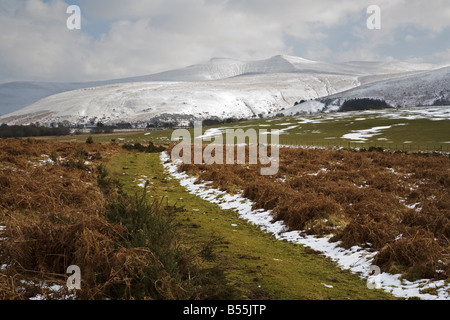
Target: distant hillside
[
  {"x": 219, "y": 88},
  {"x": 140, "y": 102},
  {"x": 423, "y": 89}
]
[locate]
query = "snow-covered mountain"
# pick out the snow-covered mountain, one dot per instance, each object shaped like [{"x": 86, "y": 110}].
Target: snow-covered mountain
[
  {"x": 420, "y": 89},
  {"x": 17, "y": 95},
  {"x": 240, "y": 97},
  {"x": 424, "y": 89},
  {"x": 219, "y": 88}
]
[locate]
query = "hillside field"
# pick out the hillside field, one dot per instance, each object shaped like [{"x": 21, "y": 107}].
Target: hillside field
[
  {"x": 389, "y": 201},
  {"x": 136, "y": 233},
  {"x": 412, "y": 129}
]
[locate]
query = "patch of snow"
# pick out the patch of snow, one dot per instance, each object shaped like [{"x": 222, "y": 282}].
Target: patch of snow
[
  {"x": 356, "y": 259},
  {"x": 284, "y": 130},
  {"x": 363, "y": 135}
]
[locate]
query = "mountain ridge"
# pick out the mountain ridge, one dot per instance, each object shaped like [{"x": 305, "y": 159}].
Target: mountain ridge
[
  {"x": 427, "y": 88},
  {"x": 220, "y": 88}
]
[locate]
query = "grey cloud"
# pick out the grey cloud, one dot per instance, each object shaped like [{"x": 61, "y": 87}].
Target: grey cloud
[{"x": 149, "y": 36}]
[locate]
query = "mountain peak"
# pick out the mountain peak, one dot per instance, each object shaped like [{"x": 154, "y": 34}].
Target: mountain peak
[
  {"x": 295, "y": 59},
  {"x": 279, "y": 57},
  {"x": 14, "y": 96}
]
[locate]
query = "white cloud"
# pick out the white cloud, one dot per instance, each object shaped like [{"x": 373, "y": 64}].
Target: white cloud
[
  {"x": 442, "y": 57},
  {"x": 318, "y": 52},
  {"x": 144, "y": 36},
  {"x": 35, "y": 48},
  {"x": 410, "y": 38},
  {"x": 35, "y": 42},
  {"x": 432, "y": 15}
]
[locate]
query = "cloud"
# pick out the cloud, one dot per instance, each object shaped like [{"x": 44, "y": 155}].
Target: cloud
[
  {"x": 410, "y": 38},
  {"x": 318, "y": 52},
  {"x": 433, "y": 15},
  {"x": 442, "y": 57},
  {"x": 35, "y": 42},
  {"x": 148, "y": 37},
  {"x": 141, "y": 37}
]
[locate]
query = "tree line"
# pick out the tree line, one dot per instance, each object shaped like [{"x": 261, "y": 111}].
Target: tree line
[
  {"x": 31, "y": 131},
  {"x": 363, "y": 104}
]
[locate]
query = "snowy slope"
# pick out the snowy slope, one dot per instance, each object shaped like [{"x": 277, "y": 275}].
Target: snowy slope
[
  {"x": 241, "y": 97},
  {"x": 222, "y": 68},
  {"x": 421, "y": 89},
  {"x": 221, "y": 87},
  {"x": 17, "y": 95}
]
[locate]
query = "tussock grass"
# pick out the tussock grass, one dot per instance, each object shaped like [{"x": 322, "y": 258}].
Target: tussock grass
[
  {"x": 71, "y": 212},
  {"x": 394, "y": 203},
  {"x": 260, "y": 266}
]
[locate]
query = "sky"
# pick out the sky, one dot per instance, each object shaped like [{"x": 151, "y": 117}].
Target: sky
[{"x": 120, "y": 38}]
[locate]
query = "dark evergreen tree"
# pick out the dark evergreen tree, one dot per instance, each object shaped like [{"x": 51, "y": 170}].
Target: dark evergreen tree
[{"x": 364, "y": 104}]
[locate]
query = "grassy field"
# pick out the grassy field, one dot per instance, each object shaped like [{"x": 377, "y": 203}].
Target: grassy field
[
  {"x": 395, "y": 204},
  {"x": 415, "y": 129},
  {"x": 69, "y": 203},
  {"x": 156, "y": 136},
  {"x": 421, "y": 129},
  {"x": 260, "y": 266},
  {"x": 60, "y": 188}
]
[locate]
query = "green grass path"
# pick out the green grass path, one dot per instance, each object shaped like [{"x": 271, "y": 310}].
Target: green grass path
[{"x": 260, "y": 266}]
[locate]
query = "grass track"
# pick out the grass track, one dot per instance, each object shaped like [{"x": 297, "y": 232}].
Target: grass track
[{"x": 260, "y": 266}]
